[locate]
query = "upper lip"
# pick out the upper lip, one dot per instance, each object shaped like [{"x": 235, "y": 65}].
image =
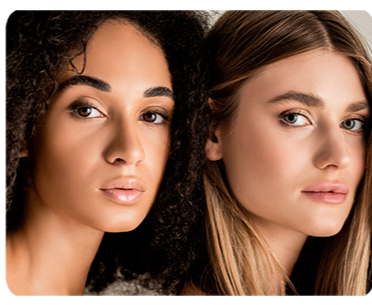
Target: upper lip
[
  {"x": 126, "y": 183},
  {"x": 328, "y": 187}
]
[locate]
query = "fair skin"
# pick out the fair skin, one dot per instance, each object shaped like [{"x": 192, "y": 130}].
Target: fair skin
[
  {"x": 294, "y": 154},
  {"x": 97, "y": 161}
]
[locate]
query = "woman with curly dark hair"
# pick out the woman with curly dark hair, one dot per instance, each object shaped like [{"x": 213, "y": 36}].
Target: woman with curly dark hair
[{"x": 106, "y": 121}]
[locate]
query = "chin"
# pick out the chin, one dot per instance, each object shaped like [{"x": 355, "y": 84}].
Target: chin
[
  {"x": 118, "y": 225},
  {"x": 326, "y": 230},
  {"x": 118, "y": 229},
  {"x": 126, "y": 227}
]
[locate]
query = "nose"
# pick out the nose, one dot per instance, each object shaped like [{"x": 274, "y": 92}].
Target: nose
[
  {"x": 332, "y": 151},
  {"x": 125, "y": 146}
]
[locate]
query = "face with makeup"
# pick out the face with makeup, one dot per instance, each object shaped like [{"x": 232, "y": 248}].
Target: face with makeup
[
  {"x": 99, "y": 156},
  {"x": 294, "y": 153}
]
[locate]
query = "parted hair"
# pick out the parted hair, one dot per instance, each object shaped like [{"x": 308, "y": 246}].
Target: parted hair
[{"x": 239, "y": 261}]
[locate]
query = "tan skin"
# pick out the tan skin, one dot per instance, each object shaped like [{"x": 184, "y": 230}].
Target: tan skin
[
  {"x": 97, "y": 161},
  {"x": 299, "y": 124}
]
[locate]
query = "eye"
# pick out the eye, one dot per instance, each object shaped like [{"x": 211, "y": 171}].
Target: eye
[
  {"x": 88, "y": 112},
  {"x": 352, "y": 124},
  {"x": 154, "y": 117},
  {"x": 295, "y": 119}
]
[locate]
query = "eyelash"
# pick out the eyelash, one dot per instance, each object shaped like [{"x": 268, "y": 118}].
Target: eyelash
[{"x": 284, "y": 114}]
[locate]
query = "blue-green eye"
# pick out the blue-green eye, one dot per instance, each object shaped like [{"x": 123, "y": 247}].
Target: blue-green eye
[
  {"x": 295, "y": 119},
  {"x": 352, "y": 124}
]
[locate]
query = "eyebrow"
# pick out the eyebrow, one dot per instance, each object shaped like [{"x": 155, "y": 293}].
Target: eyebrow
[
  {"x": 307, "y": 99},
  {"x": 85, "y": 80},
  {"x": 358, "y": 106},
  {"x": 315, "y": 101},
  {"x": 159, "y": 91}
]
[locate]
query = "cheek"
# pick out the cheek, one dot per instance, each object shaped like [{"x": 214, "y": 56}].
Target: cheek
[
  {"x": 157, "y": 148},
  {"x": 63, "y": 160},
  {"x": 358, "y": 164},
  {"x": 264, "y": 166},
  {"x": 258, "y": 156}
]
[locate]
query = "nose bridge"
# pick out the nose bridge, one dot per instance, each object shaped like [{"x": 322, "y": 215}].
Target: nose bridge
[
  {"x": 332, "y": 150},
  {"x": 125, "y": 143}
]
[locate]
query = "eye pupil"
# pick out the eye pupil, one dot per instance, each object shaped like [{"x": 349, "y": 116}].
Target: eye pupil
[{"x": 84, "y": 111}]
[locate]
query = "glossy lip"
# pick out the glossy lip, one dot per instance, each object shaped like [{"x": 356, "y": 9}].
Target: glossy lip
[
  {"x": 327, "y": 192},
  {"x": 124, "y": 190}
]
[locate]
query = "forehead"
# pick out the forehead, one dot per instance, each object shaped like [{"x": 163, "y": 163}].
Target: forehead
[
  {"x": 120, "y": 36},
  {"x": 118, "y": 50},
  {"x": 123, "y": 28},
  {"x": 326, "y": 74}
]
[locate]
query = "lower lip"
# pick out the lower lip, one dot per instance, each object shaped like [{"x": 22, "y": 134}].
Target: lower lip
[
  {"x": 331, "y": 198},
  {"x": 122, "y": 196}
]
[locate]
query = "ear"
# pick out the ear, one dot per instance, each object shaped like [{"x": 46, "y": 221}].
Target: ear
[
  {"x": 213, "y": 149},
  {"x": 24, "y": 150}
]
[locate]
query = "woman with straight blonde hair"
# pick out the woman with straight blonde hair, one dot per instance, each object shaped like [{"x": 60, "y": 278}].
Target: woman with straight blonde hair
[{"x": 288, "y": 178}]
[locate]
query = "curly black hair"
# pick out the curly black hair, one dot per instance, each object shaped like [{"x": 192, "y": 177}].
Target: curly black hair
[{"x": 41, "y": 44}]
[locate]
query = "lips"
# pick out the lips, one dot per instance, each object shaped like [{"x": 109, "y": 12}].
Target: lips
[
  {"x": 124, "y": 190},
  {"x": 327, "y": 192}
]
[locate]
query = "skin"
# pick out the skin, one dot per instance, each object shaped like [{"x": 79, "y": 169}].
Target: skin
[
  {"x": 270, "y": 157},
  {"x": 93, "y": 134}
]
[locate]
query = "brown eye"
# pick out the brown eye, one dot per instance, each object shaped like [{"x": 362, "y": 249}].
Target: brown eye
[
  {"x": 150, "y": 117},
  {"x": 87, "y": 112},
  {"x": 84, "y": 111},
  {"x": 155, "y": 116}
]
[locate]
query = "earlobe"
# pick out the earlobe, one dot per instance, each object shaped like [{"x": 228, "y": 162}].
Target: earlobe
[
  {"x": 213, "y": 150},
  {"x": 24, "y": 150}
]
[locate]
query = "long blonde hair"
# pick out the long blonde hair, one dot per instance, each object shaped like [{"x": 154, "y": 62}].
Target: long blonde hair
[{"x": 242, "y": 42}]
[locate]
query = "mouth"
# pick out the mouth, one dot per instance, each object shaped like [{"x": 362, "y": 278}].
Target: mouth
[
  {"x": 124, "y": 191},
  {"x": 327, "y": 192},
  {"x": 122, "y": 196}
]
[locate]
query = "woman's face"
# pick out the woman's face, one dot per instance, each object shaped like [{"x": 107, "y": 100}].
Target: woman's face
[
  {"x": 99, "y": 156},
  {"x": 294, "y": 154}
]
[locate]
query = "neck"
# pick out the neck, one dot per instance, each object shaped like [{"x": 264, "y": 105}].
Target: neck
[
  {"x": 50, "y": 254},
  {"x": 285, "y": 244}
]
